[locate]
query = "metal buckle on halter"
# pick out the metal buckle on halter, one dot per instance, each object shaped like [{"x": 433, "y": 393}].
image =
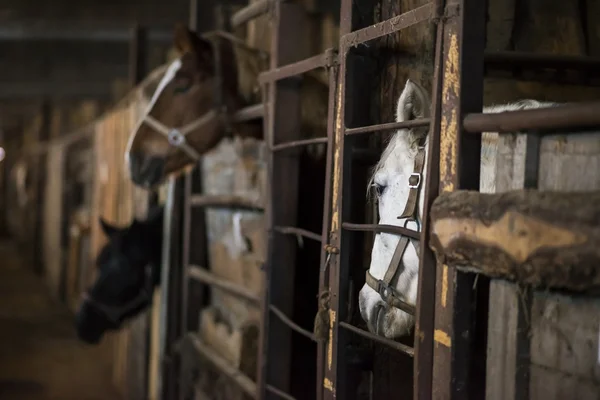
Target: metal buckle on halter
[
  {"x": 416, "y": 185},
  {"x": 176, "y": 138},
  {"x": 384, "y": 290}
]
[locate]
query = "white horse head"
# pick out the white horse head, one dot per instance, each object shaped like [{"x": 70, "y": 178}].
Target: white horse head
[{"x": 391, "y": 183}]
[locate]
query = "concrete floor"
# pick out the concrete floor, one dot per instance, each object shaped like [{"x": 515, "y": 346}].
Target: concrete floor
[{"x": 40, "y": 356}]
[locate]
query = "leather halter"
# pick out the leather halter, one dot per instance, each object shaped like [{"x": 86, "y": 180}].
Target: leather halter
[
  {"x": 115, "y": 313},
  {"x": 384, "y": 286},
  {"x": 176, "y": 136}
]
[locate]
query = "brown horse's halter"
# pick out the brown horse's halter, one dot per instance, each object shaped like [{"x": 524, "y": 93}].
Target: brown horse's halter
[
  {"x": 115, "y": 313},
  {"x": 384, "y": 287}
]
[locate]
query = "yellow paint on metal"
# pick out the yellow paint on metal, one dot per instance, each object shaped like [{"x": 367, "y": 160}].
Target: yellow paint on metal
[
  {"x": 327, "y": 384},
  {"x": 449, "y": 122},
  {"x": 337, "y": 167},
  {"x": 442, "y": 338},
  {"x": 330, "y": 342},
  {"x": 444, "y": 294}
]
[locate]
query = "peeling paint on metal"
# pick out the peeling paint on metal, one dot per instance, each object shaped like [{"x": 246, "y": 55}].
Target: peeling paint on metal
[
  {"x": 444, "y": 294},
  {"x": 449, "y": 123},
  {"x": 337, "y": 168},
  {"x": 442, "y": 338},
  {"x": 327, "y": 384},
  {"x": 330, "y": 341}
]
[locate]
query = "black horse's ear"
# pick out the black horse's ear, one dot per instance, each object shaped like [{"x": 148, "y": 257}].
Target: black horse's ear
[{"x": 108, "y": 229}]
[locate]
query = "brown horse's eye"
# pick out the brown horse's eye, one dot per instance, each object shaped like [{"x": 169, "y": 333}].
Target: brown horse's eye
[{"x": 182, "y": 84}]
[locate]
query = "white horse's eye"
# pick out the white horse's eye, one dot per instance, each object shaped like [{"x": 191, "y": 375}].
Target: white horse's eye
[{"x": 379, "y": 189}]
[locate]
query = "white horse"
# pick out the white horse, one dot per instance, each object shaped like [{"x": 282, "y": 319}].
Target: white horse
[{"x": 391, "y": 182}]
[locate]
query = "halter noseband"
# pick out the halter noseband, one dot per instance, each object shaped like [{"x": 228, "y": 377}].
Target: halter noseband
[
  {"x": 384, "y": 286},
  {"x": 115, "y": 313}
]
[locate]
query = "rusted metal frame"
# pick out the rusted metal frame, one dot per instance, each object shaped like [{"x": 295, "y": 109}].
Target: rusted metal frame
[
  {"x": 424, "y": 318},
  {"x": 409, "y": 351},
  {"x": 459, "y": 370},
  {"x": 200, "y": 274},
  {"x": 561, "y": 117},
  {"x": 291, "y": 324},
  {"x": 416, "y": 123},
  {"x": 232, "y": 202},
  {"x": 282, "y": 106},
  {"x": 280, "y": 393},
  {"x": 298, "y": 143},
  {"x": 389, "y": 26},
  {"x": 185, "y": 256},
  {"x": 234, "y": 374},
  {"x": 381, "y": 228},
  {"x": 291, "y": 230},
  {"x": 249, "y": 113},
  {"x": 252, "y": 11},
  {"x": 323, "y": 60},
  {"x": 324, "y": 260}
]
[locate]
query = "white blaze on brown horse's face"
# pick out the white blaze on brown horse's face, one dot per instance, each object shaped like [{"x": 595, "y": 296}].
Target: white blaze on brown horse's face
[{"x": 183, "y": 96}]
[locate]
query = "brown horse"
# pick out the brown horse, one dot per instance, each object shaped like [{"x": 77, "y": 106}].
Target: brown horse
[{"x": 182, "y": 121}]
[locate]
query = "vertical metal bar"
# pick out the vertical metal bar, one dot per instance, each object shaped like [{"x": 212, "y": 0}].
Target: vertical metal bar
[
  {"x": 138, "y": 55},
  {"x": 458, "y": 371},
  {"x": 282, "y": 119},
  {"x": 424, "y": 326}
]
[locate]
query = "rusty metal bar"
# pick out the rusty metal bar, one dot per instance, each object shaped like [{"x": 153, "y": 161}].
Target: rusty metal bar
[
  {"x": 249, "y": 113},
  {"x": 409, "y": 351},
  {"x": 416, "y": 123},
  {"x": 298, "y": 143},
  {"x": 298, "y": 68},
  {"x": 291, "y": 324},
  {"x": 381, "y": 228},
  {"x": 291, "y": 230},
  {"x": 560, "y": 117},
  {"x": 224, "y": 201},
  {"x": 426, "y": 289},
  {"x": 389, "y": 26},
  {"x": 202, "y": 275},
  {"x": 250, "y": 12},
  {"x": 512, "y": 59},
  {"x": 280, "y": 393},
  {"x": 234, "y": 374}
]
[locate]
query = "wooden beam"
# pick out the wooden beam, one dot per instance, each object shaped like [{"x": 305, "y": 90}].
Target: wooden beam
[{"x": 548, "y": 240}]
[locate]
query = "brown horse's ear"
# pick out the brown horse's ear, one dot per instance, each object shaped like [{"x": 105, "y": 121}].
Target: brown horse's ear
[{"x": 183, "y": 39}]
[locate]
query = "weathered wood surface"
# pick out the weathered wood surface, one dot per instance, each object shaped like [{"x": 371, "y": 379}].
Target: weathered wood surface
[{"x": 543, "y": 239}]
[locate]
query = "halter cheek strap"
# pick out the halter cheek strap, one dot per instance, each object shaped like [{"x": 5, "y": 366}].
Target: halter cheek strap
[{"x": 384, "y": 286}]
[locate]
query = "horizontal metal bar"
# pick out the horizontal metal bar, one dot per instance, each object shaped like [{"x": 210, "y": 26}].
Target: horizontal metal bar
[
  {"x": 291, "y": 230},
  {"x": 224, "y": 201},
  {"x": 380, "y": 339},
  {"x": 298, "y": 68},
  {"x": 202, "y": 275},
  {"x": 234, "y": 374},
  {"x": 513, "y": 59},
  {"x": 298, "y": 143},
  {"x": 235, "y": 40},
  {"x": 568, "y": 116},
  {"x": 278, "y": 392},
  {"x": 387, "y": 27},
  {"x": 381, "y": 228},
  {"x": 415, "y": 123},
  {"x": 291, "y": 324},
  {"x": 249, "y": 113},
  {"x": 251, "y": 12}
]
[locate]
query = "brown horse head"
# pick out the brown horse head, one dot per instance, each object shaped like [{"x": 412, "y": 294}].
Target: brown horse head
[{"x": 183, "y": 106}]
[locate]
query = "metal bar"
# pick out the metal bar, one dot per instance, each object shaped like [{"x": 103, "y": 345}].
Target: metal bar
[
  {"x": 234, "y": 374},
  {"x": 291, "y": 324},
  {"x": 298, "y": 68},
  {"x": 512, "y": 59},
  {"x": 381, "y": 228},
  {"x": 387, "y": 27},
  {"x": 208, "y": 278},
  {"x": 250, "y": 12},
  {"x": 138, "y": 55},
  {"x": 567, "y": 116},
  {"x": 409, "y": 351},
  {"x": 280, "y": 393},
  {"x": 290, "y": 230},
  {"x": 185, "y": 251},
  {"x": 224, "y": 201},
  {"x": 415, "y": 123},
  {"x": 249, "y": 113},
  {"x": 298, "y": 143},
  {"x": 424, "y": 318}
]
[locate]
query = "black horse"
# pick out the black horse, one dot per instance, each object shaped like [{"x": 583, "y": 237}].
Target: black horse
[{"x": 129, "y": 267}]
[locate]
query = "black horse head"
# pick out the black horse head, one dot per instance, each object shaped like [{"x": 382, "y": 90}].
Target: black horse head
[{"x": 129, "y": 266}]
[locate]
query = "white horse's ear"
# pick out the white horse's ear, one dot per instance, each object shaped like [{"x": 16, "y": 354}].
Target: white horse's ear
[{"x": 413, "y": 102}]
